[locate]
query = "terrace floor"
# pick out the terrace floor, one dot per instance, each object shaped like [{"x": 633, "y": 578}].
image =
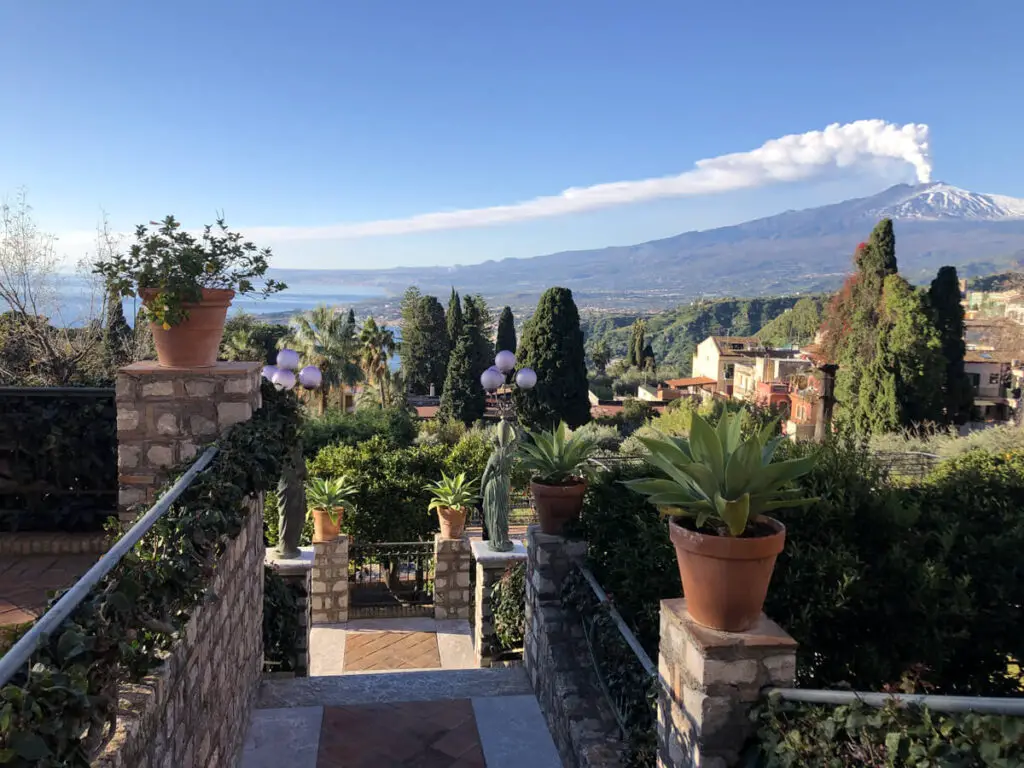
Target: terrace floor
[{"x": 26, "y": 580}]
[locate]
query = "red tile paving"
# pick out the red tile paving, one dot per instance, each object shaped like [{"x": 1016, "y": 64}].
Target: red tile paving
[
  {"x": 424, "y": 734},
  {"x": 25, "y": 581},
  {"x": 365, "y": 651}
]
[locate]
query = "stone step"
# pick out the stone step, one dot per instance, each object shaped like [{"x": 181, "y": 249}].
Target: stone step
[{"x": 372, "y": 688}]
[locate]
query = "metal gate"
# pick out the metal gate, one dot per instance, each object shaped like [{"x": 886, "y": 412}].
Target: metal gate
[{"x": 391, "y": 579}]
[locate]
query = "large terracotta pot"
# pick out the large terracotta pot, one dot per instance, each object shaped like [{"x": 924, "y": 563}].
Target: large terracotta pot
[
  {"x": 195, "y": 342},
  {"x": 725, "y": 579},
  {"x": 453, "y": 522},
  {"x": 557, "y": 504},
  {"x": 323, "y": 528}
]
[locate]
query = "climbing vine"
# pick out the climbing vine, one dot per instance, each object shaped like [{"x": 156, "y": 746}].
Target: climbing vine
[{"x": 62, "y": 707}]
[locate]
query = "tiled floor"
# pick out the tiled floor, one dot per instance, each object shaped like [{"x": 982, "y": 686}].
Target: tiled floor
[
  {"x": 26, "y": 579},
  {"x": 424, "y": 734},
  {"x": 378, "y": 651}
]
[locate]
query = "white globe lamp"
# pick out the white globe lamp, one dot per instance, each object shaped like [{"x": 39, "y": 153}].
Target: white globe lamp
[
  {"x": 505, "y": 361},
  {"x": 310, "y": 377},
  {"x": 492, "y": 379},
  {"x": 526, "y": 378},
  {"x": 284, "y": 379},
  {"x": 269, "y": 371},
  {"x": 288, "y": 359}
]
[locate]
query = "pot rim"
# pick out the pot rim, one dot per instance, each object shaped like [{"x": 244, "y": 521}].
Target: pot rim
[
  {"x": 730, "y": 547},
  {"x": 573, "y": 483},
  {"x": 210, "y": 296}
]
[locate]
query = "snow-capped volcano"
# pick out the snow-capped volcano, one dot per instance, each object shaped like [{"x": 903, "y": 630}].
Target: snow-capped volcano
[{"x": 944, "y": 201}]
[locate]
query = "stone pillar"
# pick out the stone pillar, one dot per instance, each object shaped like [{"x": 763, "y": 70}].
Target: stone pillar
[
  {"x": 165, "y": 416},
  {"x": 548, "y": 563},
  {"x": 709, "y": 682},
  {"x": 490, "y": 567},
  {"x": 451, "y": 578},
  {"x": 329, "y": 594},
  {"x": 298, "y": 571}
]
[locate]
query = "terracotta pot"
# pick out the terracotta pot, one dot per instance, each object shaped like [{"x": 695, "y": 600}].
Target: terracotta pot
[
  {"x": 323, "y": 528},
  {"x": 453, "y": 522},
  {"x": 725, "y": 579},
  {"x": 195, "y": 342},
  {"x": 557, "y": 504}
]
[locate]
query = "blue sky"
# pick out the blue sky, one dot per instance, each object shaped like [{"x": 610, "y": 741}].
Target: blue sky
[{"x": 289, "y": 116}]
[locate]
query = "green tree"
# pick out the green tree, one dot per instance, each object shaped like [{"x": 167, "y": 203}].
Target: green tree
[
  {"x": 948, "y": 316},
  {"x": 425, "y": 346},
  {"x": 463, "y": 398},
  {"x": 552, "y": 344},
  {"x": 376, "y": 346},
  {"x": 635, "y": 352},
  {"x": 117, "y": 335},
  {"x": 323, "y": 337},
  {"x": 477, "y": 325},
  {"x": 506, "y": 338},
  {"x": 647, "y": 359},
  {"x": 249, "y": 339},
  {"x": 600, "y": 357},
  {"x": 454, "y": 319}
]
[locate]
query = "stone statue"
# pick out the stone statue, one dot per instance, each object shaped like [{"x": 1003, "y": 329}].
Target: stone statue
[
  {"x": 291, "y": 503},
  {"x": 497, "y": 481}
]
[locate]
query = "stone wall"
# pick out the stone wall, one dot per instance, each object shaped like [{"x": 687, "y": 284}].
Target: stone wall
[
  {"x": 298, "y": 572},
  {"x": 557, "y": 662},
  {"x": 54, "y": 543},
  {"x": 709, "y": 682},
  {"x": 452, "y": 563},
  {"x": 164, "y": 416},
  {"x": 193, "y": 712},
  {"x": 329, "y": 596},
  {"x": 490, "y": 567}
]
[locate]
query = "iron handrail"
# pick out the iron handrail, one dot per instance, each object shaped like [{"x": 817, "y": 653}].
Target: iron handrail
[
  {"x": 620, "y": 624},
  {"x": 981, "y": 704},
  {"x": 22, "y": 650},
  {"x": 56, "y": 391}
]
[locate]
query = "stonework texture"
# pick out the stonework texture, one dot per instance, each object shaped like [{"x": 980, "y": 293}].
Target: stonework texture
[
  {"x": 557, "y": 661},
  {"x": 53, "y": 543},
  {"x": 489, "y": 571},
  {"x": 301, "y": 577},
  {"x": 166, "y": 415},
  {"x": 329, "y": 583},
  {"x": 452, "y": 562},
  {"x": 193, "y": 711},
  {"x": 709, "y": 682}
]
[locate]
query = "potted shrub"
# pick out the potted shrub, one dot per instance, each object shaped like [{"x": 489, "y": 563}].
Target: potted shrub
[
  {"x": 558, "y": 467},
  {"x": 718, "y": 486},
  {"x": 326, "y": 498},
  {"x": 452, "y": 497},
  {"x": 186, "y": 284}
]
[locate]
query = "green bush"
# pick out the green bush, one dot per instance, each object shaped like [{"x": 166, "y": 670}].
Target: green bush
[
  {"x": 391, "y": 504},
  {"x": 395, "y": 425},
  {"x": 794, "y": 735},
  {"x": 470, "y": 454},
  {"x": 508, "y": 604},
  {"x": 281, "y": 625}
]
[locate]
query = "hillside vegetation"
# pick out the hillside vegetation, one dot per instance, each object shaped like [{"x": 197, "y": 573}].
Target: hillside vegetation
[
  {"x": 797, "y": 325},
  {"x": 675, "y": 333}
]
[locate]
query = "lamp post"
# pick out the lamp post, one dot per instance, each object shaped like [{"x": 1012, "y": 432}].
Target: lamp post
[
  {"x": 494, "y": 378},
  {"x": 497, "y": 478},
  {"x": 291, "y": 488}
]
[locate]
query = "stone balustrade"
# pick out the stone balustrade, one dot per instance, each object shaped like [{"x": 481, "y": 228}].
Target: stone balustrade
[
  {"x": 490, "y": 567},
  {"x": 329, "y": 581},
  {"x": 452, "y": 563}
]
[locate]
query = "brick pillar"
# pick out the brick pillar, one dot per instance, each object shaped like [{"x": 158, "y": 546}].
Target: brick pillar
[
  {"x": 298, "y": 571},
  {"x": 165, "y": 416},
  {"x": 451, "y": 578},
  {"x": 709, "y": 682},
  {"x": 490, "y": 567},
  {"x": 548, "y": 563},
  {"x": 329, "y": 594}
]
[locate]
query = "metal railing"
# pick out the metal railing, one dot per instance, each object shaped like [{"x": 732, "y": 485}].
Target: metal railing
[
  {"x": 627, "y": 677},
  {"x": 391, "y": 579},
  {"x": 986, "y": 705},
  {"x": 19, "y": 654},
  {"x": 910, "y": 464}
]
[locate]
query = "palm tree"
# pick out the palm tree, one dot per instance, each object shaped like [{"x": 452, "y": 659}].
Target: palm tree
[
  {"x": 377, "y": 345},
  {"x": 324, "y": 338}
]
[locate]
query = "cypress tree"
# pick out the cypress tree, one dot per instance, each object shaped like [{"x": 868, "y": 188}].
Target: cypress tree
[
  {"x": 948, "y": 316},
  {"x": 552, "y": 344},
  {"x": 506, "y": 337},
  {"x": 477, "y": 325},
  {"x": 117, "y": 335},
  {"x": 454, "y": 319},
  {"x": 425, "y": 347},
  {"x": 463, "y": 398}
]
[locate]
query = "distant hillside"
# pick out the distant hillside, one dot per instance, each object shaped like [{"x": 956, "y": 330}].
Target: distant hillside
[
  {"x": 797, "y": 325},
  {"x": 675, "y": 333}
]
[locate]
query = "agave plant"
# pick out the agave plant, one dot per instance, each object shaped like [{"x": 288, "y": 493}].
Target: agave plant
[
  {"x": 554, "y": 458},
  {"x": 717, "y": 475},
  {"x": 329, "y": 494},
  {"x": 456, "y": 492}
]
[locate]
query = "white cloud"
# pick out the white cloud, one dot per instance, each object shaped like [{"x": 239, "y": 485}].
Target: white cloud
[{"x": 798, "y": 157}]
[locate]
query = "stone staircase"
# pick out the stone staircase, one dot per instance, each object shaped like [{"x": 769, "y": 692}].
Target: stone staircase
[{"x": 447, "y": 717}]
